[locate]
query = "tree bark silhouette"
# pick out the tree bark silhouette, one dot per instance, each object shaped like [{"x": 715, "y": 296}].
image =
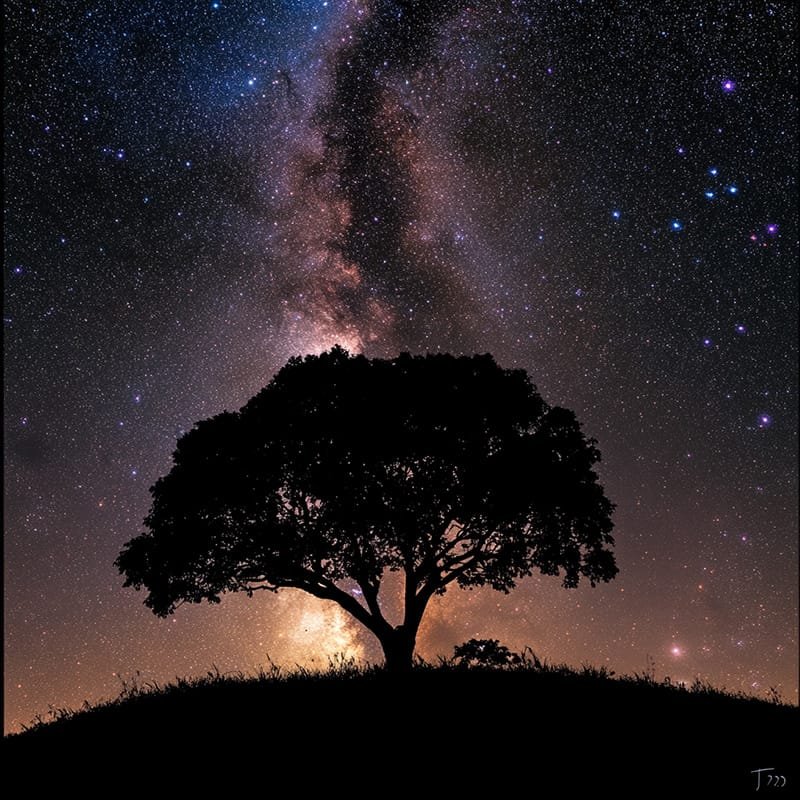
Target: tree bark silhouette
[{"x": 398, "y": 649}]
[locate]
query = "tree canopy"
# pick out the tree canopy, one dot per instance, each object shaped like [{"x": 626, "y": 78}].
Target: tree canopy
[{"x": 450, "y": 470}]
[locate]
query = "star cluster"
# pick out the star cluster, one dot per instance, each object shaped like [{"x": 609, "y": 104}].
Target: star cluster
[{"x": 603, "y": 195}]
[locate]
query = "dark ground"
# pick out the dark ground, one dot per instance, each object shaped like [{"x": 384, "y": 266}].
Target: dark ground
[{"x": 436, "y": 732}]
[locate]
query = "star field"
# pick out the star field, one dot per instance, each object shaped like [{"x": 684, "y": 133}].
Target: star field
[{"x": 606, "y": 197}]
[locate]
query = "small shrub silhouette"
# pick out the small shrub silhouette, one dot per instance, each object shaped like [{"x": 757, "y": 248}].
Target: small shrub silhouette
[{"x": 484, "y": 653}]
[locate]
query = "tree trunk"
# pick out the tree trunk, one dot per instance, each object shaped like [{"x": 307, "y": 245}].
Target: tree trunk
[{"x": 398, "y": 649}]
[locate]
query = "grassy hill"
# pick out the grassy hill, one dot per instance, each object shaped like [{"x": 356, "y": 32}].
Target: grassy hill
[{"x": 539, "y": 731}]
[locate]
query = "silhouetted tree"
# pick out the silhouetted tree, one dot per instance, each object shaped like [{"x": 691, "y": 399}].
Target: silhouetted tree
[{"x": 450, "y": 470}]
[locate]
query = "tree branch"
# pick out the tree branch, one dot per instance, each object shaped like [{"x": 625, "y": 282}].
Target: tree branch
[
  {"x": 370, "y": 593},
  {"x": 465, "y": 533},
  {"x": 326, "y": 589},
  {"x": 410, "y": 592},
  {"x": 430, "y": 587}
]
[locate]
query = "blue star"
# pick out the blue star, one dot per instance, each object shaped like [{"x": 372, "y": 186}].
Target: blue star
[
  {"x": 732, "y": 189},
  {"x": 764, "y": 421},
  {"x": 616, "y": 214},
  {"x": 728, "y": 86},
  {"x": 709, "y": 194},
  {"x": 713, "y": 171},
  {"x": 676, "y": 225}
]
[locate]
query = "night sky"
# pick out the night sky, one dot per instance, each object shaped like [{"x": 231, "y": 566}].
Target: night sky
[{"x": 602, "y": 194}]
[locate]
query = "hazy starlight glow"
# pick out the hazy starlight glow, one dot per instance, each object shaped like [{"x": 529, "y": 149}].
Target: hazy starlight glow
[{"x": 320, "y": 631}]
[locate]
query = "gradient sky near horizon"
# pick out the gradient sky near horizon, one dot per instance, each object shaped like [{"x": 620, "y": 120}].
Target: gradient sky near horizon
[{"x": 602, "y": 194}]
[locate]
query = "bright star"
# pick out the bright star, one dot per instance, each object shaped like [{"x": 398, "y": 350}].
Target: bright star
[
  {"x": 764, "y": 420},
  {"x": 733, "y": 189},
  {"x": 676, "y": 225},
  {"x": 709, "y": 194},
  {"x": 713, "y": 171},
  {"x": 616, "y": 214},
  {"x": 728, "y": 85}
]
